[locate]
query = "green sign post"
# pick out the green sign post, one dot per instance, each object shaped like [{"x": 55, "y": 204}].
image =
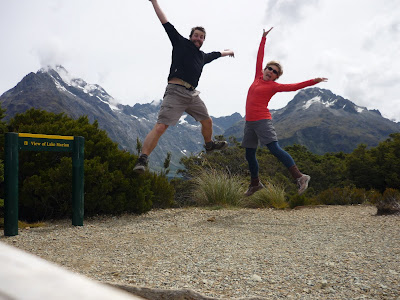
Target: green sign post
[{"x": 40, "y": 142}]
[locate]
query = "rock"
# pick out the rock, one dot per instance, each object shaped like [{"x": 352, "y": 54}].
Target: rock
[{"x": 255, "y": 277}]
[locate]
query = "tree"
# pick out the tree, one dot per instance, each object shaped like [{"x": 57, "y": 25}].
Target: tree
[
  {"x": 138, "y": 146},
  {"x": 167, "y": 161},
  {"x": 111, "y": 186},
  {"x": 376, "y": 168}
]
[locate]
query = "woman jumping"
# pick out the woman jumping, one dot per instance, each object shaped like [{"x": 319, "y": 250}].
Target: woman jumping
[{"x": 259, "y": 127}]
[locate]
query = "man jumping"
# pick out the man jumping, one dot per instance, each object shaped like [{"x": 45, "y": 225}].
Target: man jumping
[{"x": 181, "y": 94}]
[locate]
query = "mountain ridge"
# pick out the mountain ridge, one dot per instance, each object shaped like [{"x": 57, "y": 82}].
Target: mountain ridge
[
  {"x": 315, "y": 117},
  {"x": 50, "y": 91}
]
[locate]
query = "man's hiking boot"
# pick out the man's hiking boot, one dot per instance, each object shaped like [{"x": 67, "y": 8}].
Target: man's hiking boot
[
  {"x": 302, "y": 183},
  {"x": 141, "y": 165},
  {"x": 216, "y": 145},
  {"x": 254, "y": 188}
]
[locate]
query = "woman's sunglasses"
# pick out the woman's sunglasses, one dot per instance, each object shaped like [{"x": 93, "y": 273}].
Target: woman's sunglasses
[{"x": 273, "y": 70}]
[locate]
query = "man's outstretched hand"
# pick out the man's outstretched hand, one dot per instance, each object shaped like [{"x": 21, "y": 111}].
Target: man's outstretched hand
[{"x": 227, "y": 52}]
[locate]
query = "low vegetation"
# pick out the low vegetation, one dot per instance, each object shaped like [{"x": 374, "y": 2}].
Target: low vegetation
[
  {"x": 273, "y": 196},
  {"x": 213, "y": 187},
  {"x": 389, "y": 204},
  {"x": 365, "y": 176},
  {"x": 111, "y": 186}
]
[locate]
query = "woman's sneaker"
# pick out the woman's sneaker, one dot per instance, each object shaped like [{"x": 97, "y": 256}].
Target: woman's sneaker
[
  {"x": 216, "y": 145},
  {"x": 254, "y": 188},
  {"x": 141, "y": 165},
  {"x": 302, "y": 183}
]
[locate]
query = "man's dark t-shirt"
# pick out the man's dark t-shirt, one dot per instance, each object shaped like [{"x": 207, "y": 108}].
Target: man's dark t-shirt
[{"x": 187, "y": 60}]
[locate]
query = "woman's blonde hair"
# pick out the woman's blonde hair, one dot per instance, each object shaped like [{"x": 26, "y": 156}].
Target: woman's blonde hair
[{"x": 276, "y": 64}]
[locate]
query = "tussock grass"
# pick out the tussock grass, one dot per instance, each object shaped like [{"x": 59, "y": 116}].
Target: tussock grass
[
  {"x": 22, "y": 224},
  {"x": 216, "y": 188},
  {"x": 273, "y": 196}
]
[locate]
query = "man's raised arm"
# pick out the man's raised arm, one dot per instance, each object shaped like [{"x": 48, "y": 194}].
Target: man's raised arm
[{"x": 160, "y": 14}]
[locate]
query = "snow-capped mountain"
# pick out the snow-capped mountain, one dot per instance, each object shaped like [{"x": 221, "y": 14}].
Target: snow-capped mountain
[
  {"x": 55, "y": 90},
  {"x": 315, "y": 118},
  {"x": 325, "y": 122}
]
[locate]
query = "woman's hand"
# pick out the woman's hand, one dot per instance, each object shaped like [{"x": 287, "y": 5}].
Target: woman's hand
[
  {"x": 320, "y": 79},
  {"x": 266, "y": 32}
]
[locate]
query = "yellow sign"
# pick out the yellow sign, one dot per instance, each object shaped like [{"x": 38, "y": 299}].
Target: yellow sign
[{"x": 43, "y": 142}]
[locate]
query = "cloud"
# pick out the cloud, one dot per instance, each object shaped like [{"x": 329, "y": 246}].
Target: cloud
[
  {"x": 357, "y": 50},
  {"x": 376, "y": 84},
  {"x": 288, "y": 11},
  {"x": 122, "y": 46},
  {"x": 51, "y": 52}
]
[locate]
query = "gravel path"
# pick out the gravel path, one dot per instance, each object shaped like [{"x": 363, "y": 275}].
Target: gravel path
[{"x": 335, "y": 252}]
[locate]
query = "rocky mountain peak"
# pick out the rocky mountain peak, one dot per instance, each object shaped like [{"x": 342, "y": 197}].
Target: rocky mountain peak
[
  {"x": 65, "y": 82},
  {"x": 315, "y": 118},
  {"x": 317, "y": 99},
  {"x": 55, "y": 90}
]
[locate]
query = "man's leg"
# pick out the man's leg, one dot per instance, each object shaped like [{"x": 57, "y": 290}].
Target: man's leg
[
  {"x": 150, "y": 142},
  {"x": 206, "y": 131}
]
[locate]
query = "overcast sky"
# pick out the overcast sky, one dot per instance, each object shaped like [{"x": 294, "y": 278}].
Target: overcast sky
[{"x": 121, "y": 46}]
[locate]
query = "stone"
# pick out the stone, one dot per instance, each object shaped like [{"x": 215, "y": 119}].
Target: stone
[{"x": 255, "y": 277}]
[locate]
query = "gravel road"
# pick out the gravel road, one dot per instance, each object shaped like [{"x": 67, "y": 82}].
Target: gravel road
[{"x": 328, "y": 252}]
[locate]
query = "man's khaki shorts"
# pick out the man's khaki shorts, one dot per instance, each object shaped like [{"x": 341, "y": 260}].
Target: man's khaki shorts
[{"x": 177, "y": 100}]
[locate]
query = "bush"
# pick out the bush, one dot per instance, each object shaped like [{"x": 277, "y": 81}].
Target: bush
[
  {"x": 47, "y": 194},
  {"x": 390, "y": 203},
  {"x": 163, "y": 191},
  {"x": 296, "y": 200},
  {"x": 341, "y": 196},
  {"x": 272, "y": 196},
  {"x": 110, "y": 186},
  {"x": 212, "y": 187},
  {"x": 183, "y": 192},
  {"x": 373, "y": 196}
]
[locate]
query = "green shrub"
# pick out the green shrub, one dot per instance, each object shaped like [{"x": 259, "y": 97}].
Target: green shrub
[
  {"x": 163, "y": 191},
  {"x": 47, "y": 194},
  {"x": 296, "y": 200},
  {"x": 390, "y": 203},
  {"x": 183, "y": 192},
  {"x": 212, "y": 187},
  {"x": 110, "y": 185},
  {"x": 272, "y": 196},
  {"x": 373, "y": 196},
  {"x": 341, "y": 196}
]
